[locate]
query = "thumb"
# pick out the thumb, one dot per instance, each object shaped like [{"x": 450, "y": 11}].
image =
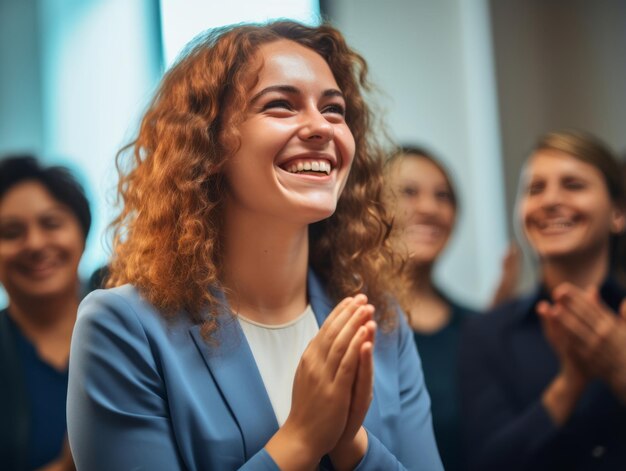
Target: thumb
[{"x": 593, "y": 293}]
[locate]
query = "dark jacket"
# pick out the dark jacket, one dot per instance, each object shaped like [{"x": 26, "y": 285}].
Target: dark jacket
[{"x": 506, "y": 364}]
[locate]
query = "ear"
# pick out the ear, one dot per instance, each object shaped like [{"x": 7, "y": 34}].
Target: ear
[{"x": 618, "y": 220}]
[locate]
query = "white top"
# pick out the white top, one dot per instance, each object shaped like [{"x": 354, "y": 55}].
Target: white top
[{"x": 277, "y": 350}]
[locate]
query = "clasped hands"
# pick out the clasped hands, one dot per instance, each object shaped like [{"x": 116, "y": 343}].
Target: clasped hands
[
  {"x": 589, "y": 338},
  {"x": 332, "y": 391}
]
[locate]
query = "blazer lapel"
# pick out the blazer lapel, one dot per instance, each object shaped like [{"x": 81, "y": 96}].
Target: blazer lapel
[
  {"x": 235, "y": 373},
  {"x": 320, "y": 303}
]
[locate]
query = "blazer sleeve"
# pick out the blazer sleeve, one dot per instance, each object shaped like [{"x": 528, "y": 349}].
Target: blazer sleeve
[
  {"x": 415, "y": 440},
  {"x": 117, "y": 401},
  {"x": 497, "y": 435}
]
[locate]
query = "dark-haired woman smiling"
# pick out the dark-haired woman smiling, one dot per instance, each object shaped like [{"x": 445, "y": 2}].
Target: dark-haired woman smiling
[{"x": 44, "y": 221}]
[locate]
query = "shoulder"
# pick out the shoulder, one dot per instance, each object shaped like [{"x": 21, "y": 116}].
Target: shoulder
[
  {"x": 125, "y": 297},
  {"x": 122, "y": 308}
]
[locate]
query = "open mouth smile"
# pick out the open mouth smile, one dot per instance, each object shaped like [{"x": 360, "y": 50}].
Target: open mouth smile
[
  {"x": 424, "y": 231},
  {"x": 39, "y": 270},
  {"x": 320, "y": 165},
  {"x": 556, "y": 226},
  {"x": 309, "y": 167}
]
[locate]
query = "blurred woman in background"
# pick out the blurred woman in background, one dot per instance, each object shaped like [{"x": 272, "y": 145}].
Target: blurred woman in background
[
  {"x": 544, "y": 375},
  {"x": 44, "y": 222},
  {"x": 420, "y": 195}
]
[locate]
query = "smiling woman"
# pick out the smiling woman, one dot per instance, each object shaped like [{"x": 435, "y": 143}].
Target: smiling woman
[
  {"x": 298, "y": 123},
  {"x": 248, "y": 301},
  {"x": 543, "y": 375},
  {"x": 423, "y": 201},
  {"x": 44, "y": 221}
]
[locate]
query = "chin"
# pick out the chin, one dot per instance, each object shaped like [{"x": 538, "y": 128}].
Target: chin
[
  {"x": 419, "y": 258},
  {"x": 556, "y": 253},
  {"x": 317, "y": 215},
  {"x": 47, "y": 288},
  {"x": 315, "y": 212}
]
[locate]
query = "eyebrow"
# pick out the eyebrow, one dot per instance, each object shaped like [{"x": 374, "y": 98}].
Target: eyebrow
[{"x": 290, "y": 89}]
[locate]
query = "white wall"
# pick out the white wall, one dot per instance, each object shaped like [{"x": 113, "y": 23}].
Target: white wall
[
  {"x": 433, "y": 62},
  {"x": 20, "y": 87},
  {"x": 100, "y": 61},
  {"x": 75, "y": 76},
  {"x": 560, "y": 64}
]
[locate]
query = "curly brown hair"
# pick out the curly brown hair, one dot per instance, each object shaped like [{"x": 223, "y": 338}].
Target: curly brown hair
[{"x": 167, "y": 237}]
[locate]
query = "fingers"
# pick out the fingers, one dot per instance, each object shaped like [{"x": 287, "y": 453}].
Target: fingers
[
  {"x": 583, "y": 314},
  {"x": 585, "y": 305},
  {"x": 336, "y": 321},
  {"x": 364, "y": 384},
  {"x": 346, "y": 371},
  {"x": 353, "y": 331},
  {"x": 545, "y": 309}
]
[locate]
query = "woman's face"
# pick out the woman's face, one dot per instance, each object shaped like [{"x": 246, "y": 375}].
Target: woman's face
[
  {"x": 565, "y": 207},
  {"x": 422, "y": 206},
  {"x": 41, "y": 243},
  {"x": 296, "y": 148}
]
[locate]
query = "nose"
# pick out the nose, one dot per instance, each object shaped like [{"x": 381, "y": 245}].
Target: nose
[
  {"x": 426, "y": 204},
  {"x": 315, "y": 127},
  {"x": 35, "y": 239},
  {"x": 551, "y": 197}
]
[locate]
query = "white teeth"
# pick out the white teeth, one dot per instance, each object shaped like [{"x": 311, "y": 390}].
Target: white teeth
[
  {"x": 561, "y": 223},
  {"x": 321, "y": 166},
  {"x": 556, "y": 225},
  {"x": 425, "y": 229}
]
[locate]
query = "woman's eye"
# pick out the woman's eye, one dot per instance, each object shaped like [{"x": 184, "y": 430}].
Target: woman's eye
[
  {"x": 10, "y": 232},
  {"x": 574, "y": 185},
  {"x": 53, "y": 224},
  {"x": 408, "y": 191},
  {"x": 277, "y": 104},
  {"x": 534, "y": 188},
  {"x": 335, "y": 109},
  {"x": 443, "y": 196}
]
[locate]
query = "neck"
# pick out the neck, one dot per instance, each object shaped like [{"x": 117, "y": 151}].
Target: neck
[
  {"x": 48, "y": 323},
  {"x": 419, "y": 281},
  {"x": 44, "y": 314},
  {"x": 428, "y": 311},
  {"x": 265, "y": 277},
  {"x": 583, "y": 271}
]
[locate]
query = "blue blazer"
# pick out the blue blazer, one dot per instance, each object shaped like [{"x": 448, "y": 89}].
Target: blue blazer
[{"x": 148, "y": 393}]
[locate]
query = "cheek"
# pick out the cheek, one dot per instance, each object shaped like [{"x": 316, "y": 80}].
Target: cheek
[
  {"x": 8, "y": 252},
  {"x": 448, "y": 217},
  {"x": 71, "y": 242},
  {"x": 402, "y": 211},
  {"x": 524, "y": 215},
  {"x": 346, "y": 144}
]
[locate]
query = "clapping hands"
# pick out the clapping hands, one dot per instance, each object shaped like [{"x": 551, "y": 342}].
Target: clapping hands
[
  {"x": 332, "y": 391},
  {"x": 589, "y": 338}
]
